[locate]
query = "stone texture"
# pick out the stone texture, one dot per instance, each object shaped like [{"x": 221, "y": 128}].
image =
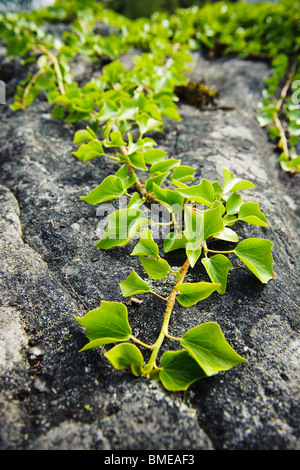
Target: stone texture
[{"x": 52, "y": 396}]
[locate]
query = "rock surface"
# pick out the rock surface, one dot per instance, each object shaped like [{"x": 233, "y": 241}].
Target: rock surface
[{"x": 52, "y": 396}]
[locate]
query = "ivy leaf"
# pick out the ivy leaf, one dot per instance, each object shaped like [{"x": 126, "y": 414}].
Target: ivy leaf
[
  {"x": 146, "y": 245},
  {"x": 110, "y": 188},
  {"x": 155, "y": 268},
  {"x": 127, "y": 180},
  {"x": 89, "y": 151},
  {"x": 146, "y": 124},
  {"x": 179, "y": 370},
  {"x": 157, "y": 179},
  {"x": 231, "y": 183},
  {"x": 251, "y": 213},
  {"x": 228, "y": 235},
  {"x": 192, "y": 292},
  {"x": 256, "y": 255},
  {"x": 174, "y": 242},
  {"x": 115, "y": 140},
  {"x": 84, "y": 135},
  {"x": 123, "y": 225},
  {"x": 125, "y": 356},
  {"x": 164, "y": 165},
  {"x": 170, "y": 197},
  {"x": 207, "y": 345},
  {"x": 183, "y": 173},
  {"x": 134, "y": 285},
  {"x": 107, "y": 324},
  {"x": 154, "y": 156},
  {"x": 233, "y": 203},
  {"x": 217, "y": 268},
  {"x": 202, "y": 193}
]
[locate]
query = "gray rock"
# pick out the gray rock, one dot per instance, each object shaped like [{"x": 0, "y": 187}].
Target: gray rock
[{"x": 57, "y": 398}]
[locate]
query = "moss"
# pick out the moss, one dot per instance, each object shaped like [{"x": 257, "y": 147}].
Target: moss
[{"x": 196, "y": 94}]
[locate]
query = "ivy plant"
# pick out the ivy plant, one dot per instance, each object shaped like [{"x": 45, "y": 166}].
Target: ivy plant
[{"x": 121, "y": 110}]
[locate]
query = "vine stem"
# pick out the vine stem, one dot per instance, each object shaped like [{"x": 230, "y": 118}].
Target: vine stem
[
  {"x": 164, "y": 330},
  {"x": 55, "y": 62},
  {"x": 139, "y": 186},
  {"x": 277, "y": 121}
]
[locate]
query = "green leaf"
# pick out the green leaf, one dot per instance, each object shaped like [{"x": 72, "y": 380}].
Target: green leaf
[
  {"x": 183, "y": 173},
  {"x": 231, "y": 183},
  {"x": 146, "y": 124},
  {"x": 157, "y": 179},
  {"x": 250, "y": 212},
  {"x": 115, "y": 140},
  {"x": 228, "y": 235},
  {"x": 256, "y": 255},
  {"x": 174, "y": 242},
  {"x": 233, "y": 203},
  {"x": 124, "y": 356},
  {"x": 207, "y": 345},
  {"x": 154, "y": 156},
  {"x": 203, "y": 193},
  {"x": 110, "y": 188},
  {"x": 89, "y": 151},
  {"x": 146, "y": 245},
  {"x": 191, "y": 293},
  {"x": 179, "y": 370},
  {"x": 127, "y": 180},
  {"x": 107, "y": 324},
  {"x": 134, "y": 285},
  {"x": 170, "y": 197},
  {"x": 193, "y": 253},
  {"x": 123, "y": 225},
  {"x": 155, "y": 268},
  {"x": 217, "y": 268},
  {"x": 84, "y": 135},
  {"x": 164, "y": 165}
]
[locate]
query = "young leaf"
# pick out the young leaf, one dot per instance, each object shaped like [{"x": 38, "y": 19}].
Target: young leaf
[
  {"x": 124, "y": 355},
  {"x": 203, "y": 193},
  {"x": 155, "y": 268},
  {"x": 170, "y": 197},
  {"x": 107, "y": 324},
  {"x": 115, "y": 140},
  {"x": 191, "y": 293},
  {"x": 154, "y": 156},
  {"x": 164, "y": 165},
  {"x": 228, "y": 235},
  {"x": 183, "y": 173},
  {"x": 174, "y": 242},
  {"x": 231, "y": 183},
  {"x": 217, "y": 268},
  {"x": 134, "y": 285},
  {"x": 251, "y": 213},
  {"x": 207, "y": 345},
  {"x": 257, "y": 256},
  {"x": 146, "y": 245},
  {"x": 89, "y": 151},
  {"x": 123, "y": 225},
  {"x": 233, "y": 203},
  {"x": 179, "y": 370},
  {"x": 84, "y": 135},
  {"x": 110, "y": 188}
]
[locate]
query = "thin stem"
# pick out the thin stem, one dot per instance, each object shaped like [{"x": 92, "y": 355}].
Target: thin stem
[
  {"x": 214, "y": 251},
  {"x": 139, "y": 186},
  {"x": 56, "y": 67},
  {"x": 168, "y": 311},
  {"x": 140, "y": 342},
  {"x": 160, "y": 296}
]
